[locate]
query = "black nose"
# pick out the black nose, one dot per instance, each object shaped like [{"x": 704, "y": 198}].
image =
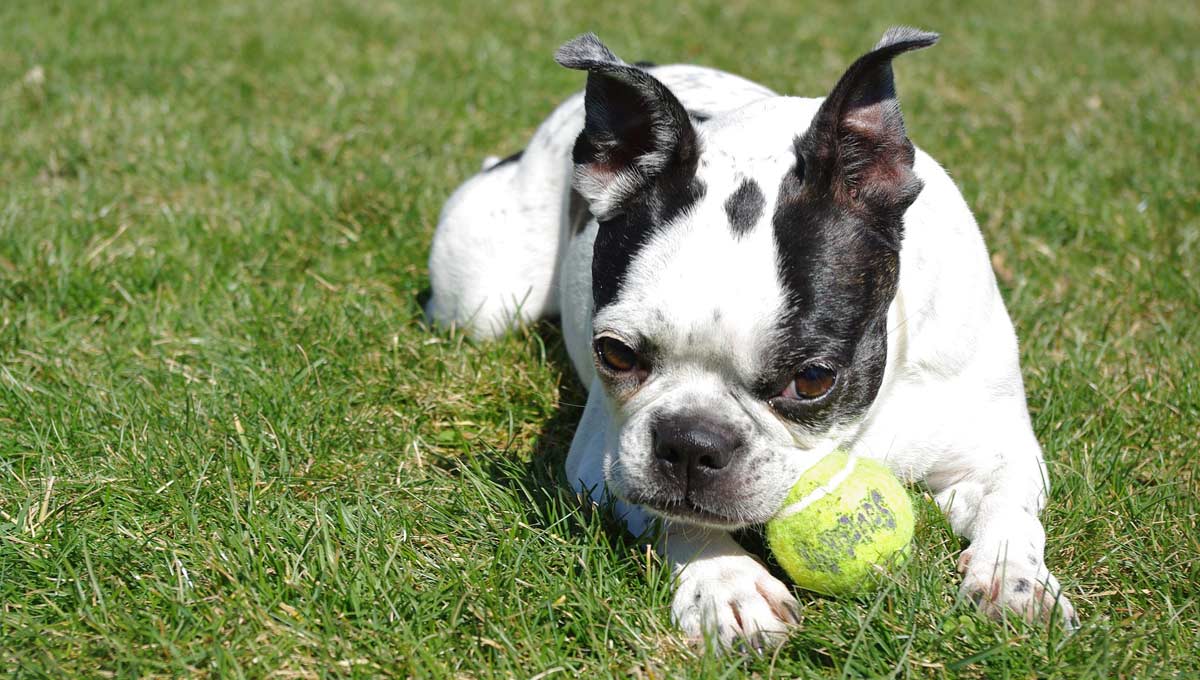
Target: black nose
[{"x": 690, "y": 445}]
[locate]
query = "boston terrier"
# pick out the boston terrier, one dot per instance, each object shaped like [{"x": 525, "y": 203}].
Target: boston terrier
[{"x": 747, "y": 282}]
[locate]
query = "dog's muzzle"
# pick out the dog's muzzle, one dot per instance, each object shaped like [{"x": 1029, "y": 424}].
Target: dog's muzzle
[{"x": 697, "y": 460}]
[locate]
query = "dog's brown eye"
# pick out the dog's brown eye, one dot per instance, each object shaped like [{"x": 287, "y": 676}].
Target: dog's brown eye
[
  {"x": 812, "y": 382},
  {"x": 615, "y": 355}
]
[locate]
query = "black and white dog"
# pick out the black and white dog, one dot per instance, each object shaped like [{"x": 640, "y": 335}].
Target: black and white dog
[{"x": 746, "y": 282}]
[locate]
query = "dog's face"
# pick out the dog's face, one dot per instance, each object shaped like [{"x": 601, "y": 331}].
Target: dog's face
[{"x": 742, "y": 272}]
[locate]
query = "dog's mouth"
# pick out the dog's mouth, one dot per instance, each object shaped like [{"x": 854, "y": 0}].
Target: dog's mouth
[{"x": 687, "y": 510}]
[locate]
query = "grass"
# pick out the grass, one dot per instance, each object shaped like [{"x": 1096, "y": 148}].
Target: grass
[{"x": 228, "y": 447}]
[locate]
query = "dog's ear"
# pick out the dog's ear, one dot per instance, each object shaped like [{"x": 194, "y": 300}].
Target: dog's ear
[
  {"x": 635, "y": 129},
  {"x": 856, "y": 146}
]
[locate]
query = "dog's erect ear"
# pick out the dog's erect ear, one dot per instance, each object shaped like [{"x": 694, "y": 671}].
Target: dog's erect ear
[
  {"x": 634, "y": 129},
  {"x": 856, "y": 146}
]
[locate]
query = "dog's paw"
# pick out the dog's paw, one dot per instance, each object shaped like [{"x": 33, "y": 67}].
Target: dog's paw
[
  {"x": 998, "y": 586},
  {"x": 732, "y": 602}
]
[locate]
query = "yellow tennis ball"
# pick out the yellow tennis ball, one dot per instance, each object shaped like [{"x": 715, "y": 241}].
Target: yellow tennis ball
[{"x": 846, "y": 518}]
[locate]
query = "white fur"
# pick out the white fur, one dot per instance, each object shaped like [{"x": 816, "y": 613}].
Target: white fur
[{"x": 951, "y": 411}]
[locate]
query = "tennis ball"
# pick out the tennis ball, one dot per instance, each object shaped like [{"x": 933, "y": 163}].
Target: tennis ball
[{"x": 846, "y": 518}]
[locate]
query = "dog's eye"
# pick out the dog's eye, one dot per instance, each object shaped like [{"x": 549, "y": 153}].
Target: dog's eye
[
  {"x": 812, "y": 382},
  {"x": 615, "y": 355}
]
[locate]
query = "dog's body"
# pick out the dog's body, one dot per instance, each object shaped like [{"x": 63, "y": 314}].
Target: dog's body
[{"x": 740, "y": 305}]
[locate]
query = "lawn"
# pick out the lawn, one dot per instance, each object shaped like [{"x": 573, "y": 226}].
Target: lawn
[{"x": 229, "y": 447}]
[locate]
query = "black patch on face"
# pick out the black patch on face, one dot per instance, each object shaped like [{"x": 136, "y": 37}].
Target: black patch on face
[
  {"x": 744, "y": 206},
  {"x": 839, "y": 223},
  {"x": 1021, "y": 586},
  {"x": 839, "y": 277},
  {"x": 513, "y": 158},
  {"x": 621, "y": 237}
]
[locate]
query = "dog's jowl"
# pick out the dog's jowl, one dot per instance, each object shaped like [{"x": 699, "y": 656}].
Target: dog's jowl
[{"x": 747, "y": 282}]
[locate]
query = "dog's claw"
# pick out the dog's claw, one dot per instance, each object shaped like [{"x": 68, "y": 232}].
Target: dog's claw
[
  {"x": 964, "y": 561},
  {"x": 792, "y": 610},
  {"x": 1030, "y": 592}
]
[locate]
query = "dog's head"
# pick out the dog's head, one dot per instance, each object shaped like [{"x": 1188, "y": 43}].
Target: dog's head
[{"x": 742, "y": 272}]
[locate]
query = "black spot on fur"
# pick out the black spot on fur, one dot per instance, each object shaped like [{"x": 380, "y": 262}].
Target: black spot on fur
[
  {"x": 744, "y": 206},
  {"x": 1033, "y": 559},
  {"x": 512, "y": 158},
  {"x": 1021, "y": 586}
]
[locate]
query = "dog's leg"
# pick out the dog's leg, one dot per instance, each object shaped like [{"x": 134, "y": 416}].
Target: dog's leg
[
  {"x": 723, "y": 594},
  {"x": 994, "y": 502}
]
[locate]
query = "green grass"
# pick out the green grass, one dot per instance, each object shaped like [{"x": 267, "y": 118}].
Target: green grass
[{"x": 228, "y": 447}]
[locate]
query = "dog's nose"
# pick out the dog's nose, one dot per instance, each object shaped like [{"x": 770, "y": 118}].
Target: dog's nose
[{"x": 690, "y": 445}]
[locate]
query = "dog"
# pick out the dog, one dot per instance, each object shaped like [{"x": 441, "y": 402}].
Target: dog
[{"x": 747, "y": 282}]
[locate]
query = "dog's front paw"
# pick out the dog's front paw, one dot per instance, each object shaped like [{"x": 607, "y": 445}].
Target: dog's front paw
[
  {"x": 1021, "y": 585},
  {"x": 733, "y": 602}
]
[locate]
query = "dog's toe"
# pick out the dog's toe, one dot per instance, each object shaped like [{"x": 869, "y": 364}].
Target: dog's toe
[
  {"x": 734, "y": 604},
  {"x": 1006, "y": 587}
]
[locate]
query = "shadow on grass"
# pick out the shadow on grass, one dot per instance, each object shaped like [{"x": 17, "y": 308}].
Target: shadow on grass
[{"x": 542, "y": 477}]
